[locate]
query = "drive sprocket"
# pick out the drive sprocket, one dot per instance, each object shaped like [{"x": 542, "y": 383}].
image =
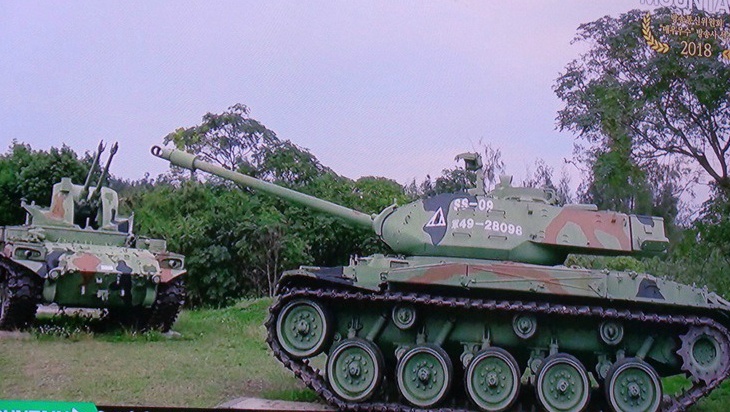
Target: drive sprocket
[{"x": 704, "y": 354}]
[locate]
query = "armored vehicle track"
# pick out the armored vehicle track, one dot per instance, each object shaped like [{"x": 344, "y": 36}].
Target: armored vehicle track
[{"x": 391, "y": 394}]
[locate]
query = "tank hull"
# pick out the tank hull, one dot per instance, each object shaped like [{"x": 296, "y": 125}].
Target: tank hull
[{"x": 470, "y": 309}]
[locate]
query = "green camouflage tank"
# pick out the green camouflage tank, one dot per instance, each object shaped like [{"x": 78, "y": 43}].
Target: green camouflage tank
[
  {"x": 478, "y": 312},
  {"x": 80, "y": 252}
]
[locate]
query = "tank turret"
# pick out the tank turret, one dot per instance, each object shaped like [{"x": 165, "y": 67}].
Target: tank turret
[{"x": 508, "y": 223}]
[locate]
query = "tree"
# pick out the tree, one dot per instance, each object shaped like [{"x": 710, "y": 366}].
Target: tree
[
  {"x": 286, "y": 163},
  {"x": 543, "y": 177},
  {"x": 231, "y": 139},
  {"x": 666, "y": 106}
]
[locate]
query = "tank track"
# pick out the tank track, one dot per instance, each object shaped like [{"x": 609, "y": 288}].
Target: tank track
[
  {"x": 317, "y": 383},
  {"x": 170, "y": 299},
  {"x": 21, "y": 298}
]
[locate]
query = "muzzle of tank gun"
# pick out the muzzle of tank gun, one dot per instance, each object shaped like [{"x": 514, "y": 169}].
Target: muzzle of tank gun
[{"x": 175, "y": 157}]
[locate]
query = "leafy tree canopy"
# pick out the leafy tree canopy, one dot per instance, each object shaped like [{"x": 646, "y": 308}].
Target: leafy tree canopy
[{"x": 667, "y": 107}]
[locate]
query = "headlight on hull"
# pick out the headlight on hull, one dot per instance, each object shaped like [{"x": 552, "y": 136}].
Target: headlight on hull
[
  {"x": 27, "y": 253},
  {"x": 171, "y": 263}
]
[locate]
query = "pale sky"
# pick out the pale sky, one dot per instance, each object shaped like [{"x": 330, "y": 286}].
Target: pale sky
[{"x": 387, "y": 88}]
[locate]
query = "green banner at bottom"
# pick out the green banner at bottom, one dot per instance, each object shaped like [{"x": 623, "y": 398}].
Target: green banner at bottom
[{"x": 46, "y": 406}]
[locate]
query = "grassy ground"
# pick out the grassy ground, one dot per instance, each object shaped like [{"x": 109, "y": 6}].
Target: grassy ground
[{"x": 220, "y": 356}]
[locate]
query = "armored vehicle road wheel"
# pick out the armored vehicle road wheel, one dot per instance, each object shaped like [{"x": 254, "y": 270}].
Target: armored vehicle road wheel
[
  {"x": 303, "y": 328},
  {"x": 492, "y": 380},
  {"x": 424, "y": 375},
  {"x": 19, "y": 296},
  {"x": 562, "y": 384},
  {"x": 632, "y": 385},
  {"x": 355, "y": 369},
  {"x": 170, "y": 299}
]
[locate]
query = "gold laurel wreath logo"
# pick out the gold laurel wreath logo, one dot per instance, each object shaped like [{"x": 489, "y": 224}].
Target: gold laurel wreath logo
[
  {"x": 652, "y": 41},
  {"x": 726, "y": 55}
]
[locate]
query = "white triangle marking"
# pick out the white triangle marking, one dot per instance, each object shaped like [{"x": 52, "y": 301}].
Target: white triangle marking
[{"x": 437, "y": 220}]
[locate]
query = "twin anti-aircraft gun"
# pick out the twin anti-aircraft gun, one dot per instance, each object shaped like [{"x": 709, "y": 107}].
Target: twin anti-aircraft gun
[
  {"x": 81, "y": 253},
  {"x": 477, "y": 311}
]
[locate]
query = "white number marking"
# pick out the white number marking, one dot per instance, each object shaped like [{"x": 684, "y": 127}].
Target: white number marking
[{"x": 502, "y": 227}]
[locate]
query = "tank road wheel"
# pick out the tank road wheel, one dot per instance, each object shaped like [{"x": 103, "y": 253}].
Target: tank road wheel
[
  {"x": 303, "y": 328},
  {"x": 704, "y": 354},
  {"x": 169, "y": 301},
  {"x": 19, "y": 297},
  {"x": 562, "y": 384},
  {"x": 493, "y": 380},
  {"x": 424, "y": 375},
  {"x": 633, "y": 385},
  {"x": 355, "y": 369}
]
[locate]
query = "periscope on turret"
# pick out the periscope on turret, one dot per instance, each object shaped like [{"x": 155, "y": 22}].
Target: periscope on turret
[
  {"x": 477, "y": 307},
  {"x": 81, "y": 252}
]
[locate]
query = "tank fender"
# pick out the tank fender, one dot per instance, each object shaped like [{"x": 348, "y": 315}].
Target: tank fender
[
  {"x": 318, "y": 276},
  {"x": 172, "y": 265},
  {"x": 39, "y": 268},
  {"x": 36, "y": 266},
  {"x": 166, "y": 275}
]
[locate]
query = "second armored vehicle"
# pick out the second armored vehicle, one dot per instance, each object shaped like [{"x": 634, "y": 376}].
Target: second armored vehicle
[
  {"x": 80, "y": 252},
  {"x": 478, "y": 312}
]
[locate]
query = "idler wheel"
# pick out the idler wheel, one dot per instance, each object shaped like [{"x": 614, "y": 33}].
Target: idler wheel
[
  {"x": 492, "y": 380},
  {"x": 704, "y": 354},
  {"x": 355, "y": 369},
  {"x": 303, "y": 328},
  {"x": 562, "y": 384},
  {"x": 424, "y": 375},
  {"x": 633, "y": 385}
]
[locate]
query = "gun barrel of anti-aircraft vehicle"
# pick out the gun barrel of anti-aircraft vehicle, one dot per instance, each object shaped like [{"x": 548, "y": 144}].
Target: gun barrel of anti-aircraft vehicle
[
  {"x": 192, "y": 162},
  {"x": 94, "y": 165},
  {"x": 105, "y": 172}
]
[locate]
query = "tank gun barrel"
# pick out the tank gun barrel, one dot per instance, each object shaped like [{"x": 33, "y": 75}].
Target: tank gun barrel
[
  {"x": 192, "y": 162},
  {"x": 94, "y": 164}
]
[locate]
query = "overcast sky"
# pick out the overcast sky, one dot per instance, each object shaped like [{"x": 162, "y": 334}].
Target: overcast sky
[{"x": 388, "y": 88}]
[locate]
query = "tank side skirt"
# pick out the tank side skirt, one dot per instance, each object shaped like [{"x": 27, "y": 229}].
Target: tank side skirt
[{"x": 313, "y": 380}]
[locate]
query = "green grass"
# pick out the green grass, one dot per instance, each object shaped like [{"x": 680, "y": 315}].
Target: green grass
[
  {"x": 717, "y": 401},
  {"x": 221, "y": 355}
]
